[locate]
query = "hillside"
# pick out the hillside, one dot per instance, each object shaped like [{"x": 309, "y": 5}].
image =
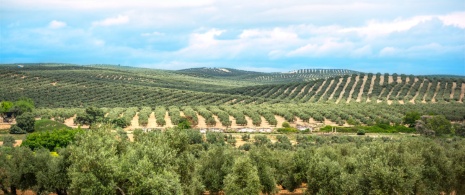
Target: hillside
[
  {"x": 56, "y": 85},
  {"x": 274, "y": 78}
]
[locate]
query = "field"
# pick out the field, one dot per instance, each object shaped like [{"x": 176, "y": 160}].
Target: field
[{"x": 205, "y": 130}]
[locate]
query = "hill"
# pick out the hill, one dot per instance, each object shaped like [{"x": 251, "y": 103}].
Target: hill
[
  {"x": 64, "y": 85},
  {"x": 270, "y": 78}
]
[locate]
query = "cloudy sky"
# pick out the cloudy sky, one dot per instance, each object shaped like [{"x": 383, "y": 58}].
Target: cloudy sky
[{"x": 403, "y": 36}]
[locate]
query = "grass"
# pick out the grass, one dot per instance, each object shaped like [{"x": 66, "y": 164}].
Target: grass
[{"x": 49, "y": 125}]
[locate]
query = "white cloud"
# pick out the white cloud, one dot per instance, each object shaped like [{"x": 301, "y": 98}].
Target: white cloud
[
  {"x": 388, "y": 51},
  {"x": 375, "y": 28},
  {"x": 55, "y": 24},
  {"x": 454, "y": 19},
  {"x": 120, "y": 19}
]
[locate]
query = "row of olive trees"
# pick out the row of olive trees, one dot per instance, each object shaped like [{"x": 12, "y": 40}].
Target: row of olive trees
[{"x": 101, "y": 161}]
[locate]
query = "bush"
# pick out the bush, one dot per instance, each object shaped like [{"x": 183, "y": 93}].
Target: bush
[
  {"x": 286, "y": 125},
  {"x": 245, "y": 147},
  {"x": 288, "y": 130},
  {"x": 14, "y": 129},
  {"x": 361, "y": 132},
  {"x": 120, "y": 122},
  {"x": 50, "y": 139},
  {"x": 245, "y": 137},
  {"x": 9, "y": 141},
  {"x": 26, "y": 122}
]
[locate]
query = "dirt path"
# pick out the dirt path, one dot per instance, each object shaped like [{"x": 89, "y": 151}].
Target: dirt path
[
  {"x": 168, "y": 121},
  {"x": 293, "y": 90},
  {"x": 423, "y": 100},
  {"x": 463, "y": 92},
  {"x": 233, "y": 122},
  {"x": 390, "y": 80},
  {"x": 134, "y": 123},
  {"x": 264, "y": 123},
  {"x": 202, "y": 123},
  {"x": 411, "y": 86},
  {"x": 357, "y": 78},
  {"x": 152, "y": 121},
  {"x": 433, "y": 99},
  {"x": 303, "y": 89},
  {"x": 418, "y": 92},
  {"x": 381, "y": 79},
  {"x": 327, "y": 89},
  {"x": 343, "y": 90},
  {"x": 319, "y": 88},
  {"x": 280, "y": 120},
  {"x": 249, "y": 122},
  {"x": 372, "y": 84},
  {"x": 70, "y": 123},
  {"x": 360, "y": 93},
  {"x": 452, "y": 91},
  {"x": 308, "y": 92},
  {"x": 218, "y": 122},
  {"x": 335, "y": 89}
]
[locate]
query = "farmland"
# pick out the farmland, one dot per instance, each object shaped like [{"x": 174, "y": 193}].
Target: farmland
[{"x": 222, "y": 130}]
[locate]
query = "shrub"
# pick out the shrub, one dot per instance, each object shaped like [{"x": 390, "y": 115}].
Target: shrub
[
  {"x": 361, "y": 132},
  {"x": 14, "y": 129},
  {"x": 288, "y": 130},
  {"x": 286, "y": 125},
  {"x": 9, "y": 141},
  {"x": 26, "y": 122},
  {"x": 245, "y": 137}
]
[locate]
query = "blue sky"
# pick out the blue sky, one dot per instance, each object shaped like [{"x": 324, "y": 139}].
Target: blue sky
[{"x": 402, "y": 36}]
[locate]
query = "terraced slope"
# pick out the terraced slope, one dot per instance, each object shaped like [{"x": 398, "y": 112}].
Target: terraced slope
[
  {"x": 292, "y": 76},
  {"x": 362, "y": 88},
  {"x": 59, "y": 86}
]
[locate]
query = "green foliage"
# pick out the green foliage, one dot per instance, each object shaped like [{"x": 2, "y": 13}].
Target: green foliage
[
  {"x": 459, "y": 129},
  {"x": 215, "y": 165},
  {"x": 120, "y": 122},
  {"x": 288, "y": 130},
  {"x": 433, "y": 125},
  {"x": 245, "y": 137},
  {"x": 8, "y": 141},
  {"x": 243, "y": 178},
  {"x": 92, "y": 115},
  {"x": 215, "y": 138},
  {"x": 23, "y": 105},
  {"x": 361, "y": 132},
  {"x": 15, "y": 129},
  {"x": 261, "y": 140},
  {"x": 411, "y": 118},
  {"x": 184, "y": 123},
  {"x": 49, "y": 125},
  {"x": 286, "y": 125},
  {"x": 26, "y": 122},
  {"x": 51, "y": 140},
  {"x": 5, "y": 106}
]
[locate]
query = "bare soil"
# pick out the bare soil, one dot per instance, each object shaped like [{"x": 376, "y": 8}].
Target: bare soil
[
  {"x": 463, "y": 92},
  {"x": 353, "y": 88},
  {"x": 319, "y": 88},
  {"x": 334, "y": 91},
  {"x": 359, "y": 97},
  {"x": 152, "y": 121},
  {"x": 168, "y": 120},
  {"x": 435, "y": 93},
  {"x": 343, "y": 90},
  {"x": 418, "y": 92},
  {"x": 327, "y": 88}
]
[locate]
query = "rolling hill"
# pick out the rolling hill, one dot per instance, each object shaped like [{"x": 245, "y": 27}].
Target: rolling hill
[{"x": 220, "y": 97}]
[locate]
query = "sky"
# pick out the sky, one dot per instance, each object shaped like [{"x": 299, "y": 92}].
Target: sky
[{"x": 395, "y": 36}]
